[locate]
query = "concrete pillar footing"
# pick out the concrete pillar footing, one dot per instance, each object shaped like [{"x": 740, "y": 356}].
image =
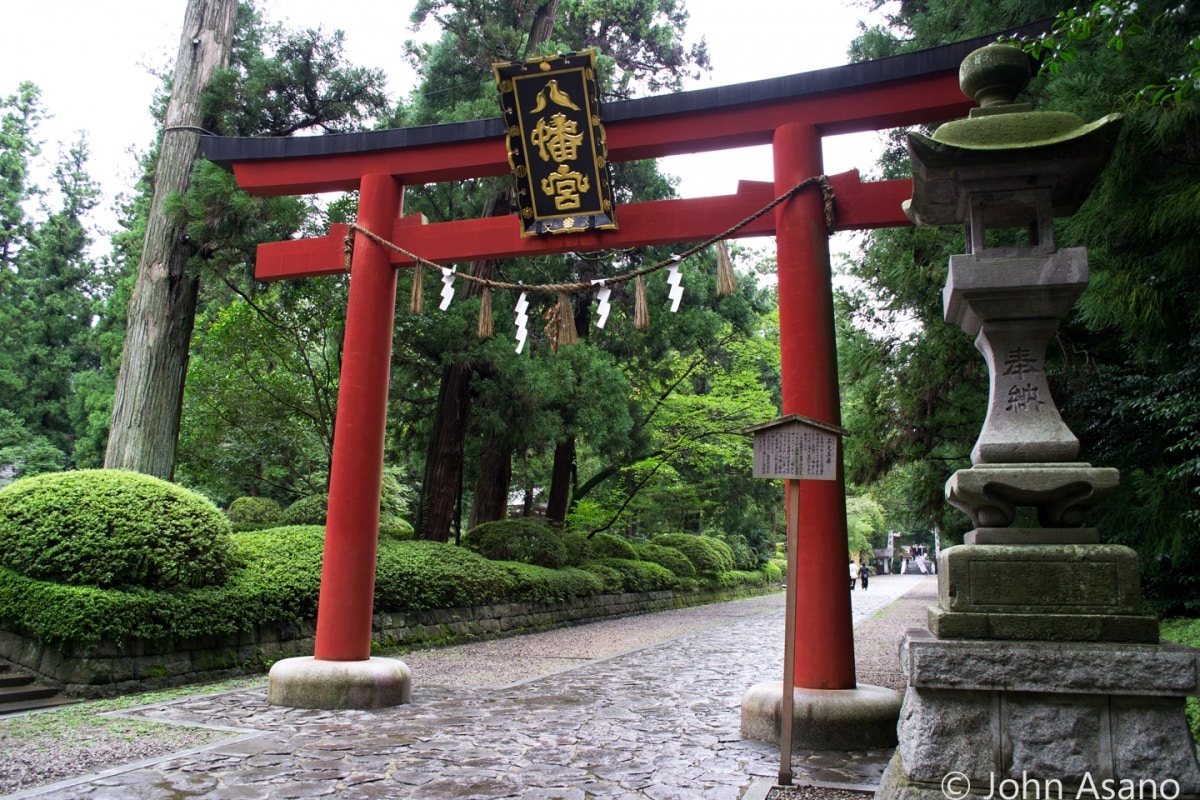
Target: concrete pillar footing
[
  {"x": 311, "y": 683},
  {"x": 824, "y": 719}
]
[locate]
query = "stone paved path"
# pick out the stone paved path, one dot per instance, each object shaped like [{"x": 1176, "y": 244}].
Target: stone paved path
[{"x": 658, "y": 722}]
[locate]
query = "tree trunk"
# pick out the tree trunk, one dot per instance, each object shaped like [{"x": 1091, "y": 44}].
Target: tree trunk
[
  {"x": 560, "y": 482},
  {"x": 444, "y": 458},
  {"x": 491, "y": 488},
  {"x": 162, "y": 309}
]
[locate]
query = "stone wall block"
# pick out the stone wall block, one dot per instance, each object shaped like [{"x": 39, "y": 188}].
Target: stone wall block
[
  {"x": 941, "y": 732},
  {"x": 1047, "y": 736},
  {"x": 1147, "y": 733}
]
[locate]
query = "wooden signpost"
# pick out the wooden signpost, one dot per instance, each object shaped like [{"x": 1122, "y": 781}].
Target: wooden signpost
[{"x": 794, "y": 448}]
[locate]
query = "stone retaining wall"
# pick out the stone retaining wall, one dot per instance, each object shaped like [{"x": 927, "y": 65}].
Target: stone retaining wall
[{"x": 111, "y": 668}]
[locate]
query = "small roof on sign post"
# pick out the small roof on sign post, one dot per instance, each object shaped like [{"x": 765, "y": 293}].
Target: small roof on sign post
[{"x": 796, "y": 447}]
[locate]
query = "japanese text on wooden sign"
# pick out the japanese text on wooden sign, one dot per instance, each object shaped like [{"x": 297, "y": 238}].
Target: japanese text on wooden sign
[
  {"x": 556, "y": 144},
  {"x": 796, "y": 448}
]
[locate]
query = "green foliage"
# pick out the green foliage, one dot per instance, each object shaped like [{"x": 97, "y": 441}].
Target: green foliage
[
  {"x": 866, "y": 527},
  {"x": 668, "y": 557},
  {"x": 606, "y": 545},
  {"x": 1185, "y": 631},
  {"x": 283, "y": 82},
  {"x": 254, "y": 511},
  {"x": 774, "y": 571},
  {"x": 641, "y": 576},
  {"x": 108, "y": 528},
  {"x": 743, "y": 557},
  {"x": 420, "y": 575},
  {"x": 534, "y": 584},
  {"x": 578, "y": 548},
  {"x": 708, "y": 555},
  {"x": 309, "y": 510},
  {"x": 49, "y": 292},
  {"x": 523, "y": 540},
  {"x": 611, "y": 580},
  {"x": 735, "y": 578},
  {"x": 24, "y": 454},
  {"x": 395, "y": 528}
]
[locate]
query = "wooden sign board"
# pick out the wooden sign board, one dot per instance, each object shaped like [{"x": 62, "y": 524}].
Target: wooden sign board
[
  {"x": 796, "y": 447},
  {"x": 556, "y": 144}
]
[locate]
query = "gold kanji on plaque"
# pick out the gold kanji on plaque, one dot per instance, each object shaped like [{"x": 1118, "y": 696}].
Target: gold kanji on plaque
[{"x": 556, "y": 144}]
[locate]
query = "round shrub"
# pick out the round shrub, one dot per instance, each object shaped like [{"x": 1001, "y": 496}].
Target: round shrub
[
  {"x": 611, "y": 580},
  {"x": 708, "y": 555},
  {"x": 744, "y": 558},
  {"x": 254, "y": 511},
  {"x": 667, "y": 557},
  {"x": 578, "y": 548},
  {"x": 395, "y": 529},
  {"x": 606, "y": 545},
  {"x": 309, "y": 510},
  {"x": 419, "y": 575},
  {"x": 641, "y": 576},
  {"x": 112, "y": 529},
  {"x": 521, "y": 540}
]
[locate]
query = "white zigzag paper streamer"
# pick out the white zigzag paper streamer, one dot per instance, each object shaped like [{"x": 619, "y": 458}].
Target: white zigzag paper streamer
[
  {"x": 602, "y": 306},
  {"x": 674, "y": 278},
  {"x": 447, "y": 287},
  {"x": 522, "y": 320}
]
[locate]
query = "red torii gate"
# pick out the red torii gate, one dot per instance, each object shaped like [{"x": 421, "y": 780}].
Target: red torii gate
[{"x": 790, "y": 113}]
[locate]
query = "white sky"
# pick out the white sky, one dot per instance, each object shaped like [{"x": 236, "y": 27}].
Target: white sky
[{"x": 92, "y": 62}]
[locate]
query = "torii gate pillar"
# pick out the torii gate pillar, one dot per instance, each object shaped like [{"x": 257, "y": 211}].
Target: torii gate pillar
[
  {"x": 831, "y": 711},
  {"x": 341, "y": 672}
]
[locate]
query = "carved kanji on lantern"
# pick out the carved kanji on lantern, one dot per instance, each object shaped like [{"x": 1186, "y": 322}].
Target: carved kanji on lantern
[{"x": 556, "y": 144}]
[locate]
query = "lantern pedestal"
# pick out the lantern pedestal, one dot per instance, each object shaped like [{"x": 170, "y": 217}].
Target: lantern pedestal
[
  {"x": 1050, "y": 720},
  {"x": 1039, "y": 676}
]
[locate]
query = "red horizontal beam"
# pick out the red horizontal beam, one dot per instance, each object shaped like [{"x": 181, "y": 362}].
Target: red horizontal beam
[{"x": 857, "y": 206}]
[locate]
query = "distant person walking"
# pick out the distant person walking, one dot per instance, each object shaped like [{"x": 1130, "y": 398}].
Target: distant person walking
[
  {"x": 853, "y": 574},
  {"x": 864, "y": 572}
]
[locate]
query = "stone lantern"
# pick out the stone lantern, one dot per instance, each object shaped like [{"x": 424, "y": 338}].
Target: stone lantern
[{"x": 1039, "y": 663}]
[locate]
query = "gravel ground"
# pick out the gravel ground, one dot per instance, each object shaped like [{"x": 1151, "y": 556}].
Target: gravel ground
[{"x": 43, "y": 747}]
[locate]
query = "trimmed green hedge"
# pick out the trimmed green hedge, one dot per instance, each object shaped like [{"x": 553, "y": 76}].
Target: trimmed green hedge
[
  {"x": 112, "y": 529},
  {"x": 254, "y": 511},
  {"x": 523, "y": 540},
  {"x": 667, "y": 557},
  {"x": 709, "y": 556},
  {"x": 308, "y": 510},
  {"x": 606, "y": 545},
  {"x": 641, "y": 576},
  {"x": 276, "y": 578}
]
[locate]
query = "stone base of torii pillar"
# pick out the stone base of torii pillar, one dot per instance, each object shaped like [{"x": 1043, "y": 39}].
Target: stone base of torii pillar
[{"x": 307, "y": 682}]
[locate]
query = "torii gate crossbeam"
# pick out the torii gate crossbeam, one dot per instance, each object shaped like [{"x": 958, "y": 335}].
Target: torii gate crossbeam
[{"x": 791, "y": 113}]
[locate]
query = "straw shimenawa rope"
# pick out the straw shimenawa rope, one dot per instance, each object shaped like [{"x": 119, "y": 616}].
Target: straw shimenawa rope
[{"x": 581, "y": 286}]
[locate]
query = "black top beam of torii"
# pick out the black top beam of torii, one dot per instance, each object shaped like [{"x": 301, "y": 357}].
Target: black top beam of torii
[{"x": 737, "y": 104}]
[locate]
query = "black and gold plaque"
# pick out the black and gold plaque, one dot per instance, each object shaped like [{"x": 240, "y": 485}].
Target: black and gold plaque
[{"x": 556, "y": 144}]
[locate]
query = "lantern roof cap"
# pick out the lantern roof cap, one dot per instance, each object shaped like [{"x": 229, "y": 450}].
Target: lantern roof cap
[{"x": 1005, "y": 143}]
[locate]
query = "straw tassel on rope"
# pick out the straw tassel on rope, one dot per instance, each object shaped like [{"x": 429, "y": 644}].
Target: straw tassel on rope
[
  {"x": 416, "y": 302},
  {"x": 641, "y": 313},
  {"x": 567, "y": 334},
  {"x": 485, "y": 313},
  {"x": 726, "y": 282}
]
